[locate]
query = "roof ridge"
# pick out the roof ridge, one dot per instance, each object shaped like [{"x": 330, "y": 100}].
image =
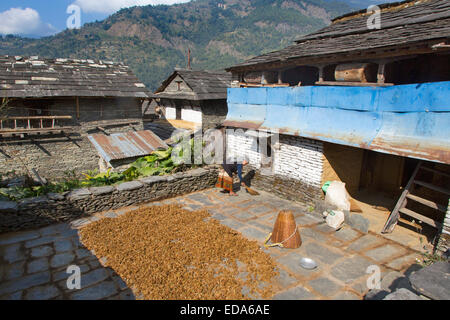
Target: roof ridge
[
  {"x": 387, "y": 5},
  {"x": 389, "y": 25}
]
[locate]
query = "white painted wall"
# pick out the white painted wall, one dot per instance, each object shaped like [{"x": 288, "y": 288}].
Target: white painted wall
[
  {"x": 171, "y": 113},
  {"x": 300, "y": 159},
  {"x": 188, "y": 114},
  {"x": 192, "y": 115},
  {"x": 239, "y": 144}
]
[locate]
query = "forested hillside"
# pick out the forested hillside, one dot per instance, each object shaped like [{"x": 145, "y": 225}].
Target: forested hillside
[{"x": 153, "y": 40}]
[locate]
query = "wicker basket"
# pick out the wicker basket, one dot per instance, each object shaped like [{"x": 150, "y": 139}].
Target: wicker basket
[{"x": 285, "y": 231}]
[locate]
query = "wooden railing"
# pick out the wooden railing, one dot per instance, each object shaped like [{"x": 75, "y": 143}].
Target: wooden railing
[{"x": 32, "y": 124}]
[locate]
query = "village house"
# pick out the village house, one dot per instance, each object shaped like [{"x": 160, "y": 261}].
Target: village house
[
  {"x": 369, "y": 107},
  {"x": 54, "y": 105},
  {"x": 191, "y": 100}
]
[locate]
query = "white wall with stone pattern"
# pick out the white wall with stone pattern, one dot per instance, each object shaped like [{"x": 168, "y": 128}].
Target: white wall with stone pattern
[
  {"x": 239, "y": 144},
  {"x": 293, "y": 157},
  {"x": 300, "y": 159},
  {"x": 443, "y": 243}
]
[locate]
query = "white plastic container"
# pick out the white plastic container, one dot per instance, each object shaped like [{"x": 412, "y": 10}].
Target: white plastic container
[{"x": 335, "y": 219}]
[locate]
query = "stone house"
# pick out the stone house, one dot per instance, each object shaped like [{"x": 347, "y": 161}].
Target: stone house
[
  {"x": 368, "y": 107},
  {"x": 190, "y": 99},
  {"x": 55, "y": 104}
]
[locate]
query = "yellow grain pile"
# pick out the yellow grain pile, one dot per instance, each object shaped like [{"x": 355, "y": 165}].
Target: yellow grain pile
[{"x": 165, "y": 252}]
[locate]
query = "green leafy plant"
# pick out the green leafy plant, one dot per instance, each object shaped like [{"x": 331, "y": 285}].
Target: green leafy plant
[
  {"x": 428, "y": 257},
  {"x": 159, "y": 162}
]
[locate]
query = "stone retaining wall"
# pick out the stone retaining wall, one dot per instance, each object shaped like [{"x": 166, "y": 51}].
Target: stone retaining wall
[
  {"x": 286, "y": 188},
  {"x": 41, "y": 211},
  {"x": 443, "y": 243},
  {"x": 294, "y": 158}
]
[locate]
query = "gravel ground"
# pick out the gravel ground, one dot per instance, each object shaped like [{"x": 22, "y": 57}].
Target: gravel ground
[{"x": 166, "y": 252}]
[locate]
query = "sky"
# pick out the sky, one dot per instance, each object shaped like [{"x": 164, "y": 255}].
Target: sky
[{"x": 38, "y": 18}]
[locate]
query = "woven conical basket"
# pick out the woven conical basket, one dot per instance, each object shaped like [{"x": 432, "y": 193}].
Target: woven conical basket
[{"x": 285, "y": 231}]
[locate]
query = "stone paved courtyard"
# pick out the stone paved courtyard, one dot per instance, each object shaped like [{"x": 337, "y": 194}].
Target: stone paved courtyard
[{"x": 33, "y": 264}]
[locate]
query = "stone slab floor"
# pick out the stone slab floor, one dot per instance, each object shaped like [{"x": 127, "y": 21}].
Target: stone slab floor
[{"x": 33, "y": 264}]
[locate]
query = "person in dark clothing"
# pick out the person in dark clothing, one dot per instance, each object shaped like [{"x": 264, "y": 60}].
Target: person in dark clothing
[{"x": 225, "y": 180}]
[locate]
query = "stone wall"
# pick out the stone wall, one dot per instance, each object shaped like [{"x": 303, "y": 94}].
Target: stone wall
[
  {"x": 296, "y": 170},
  {"x": 443, "y": 243},
  {"x": 53, "y": 208},
  {"x": 53, "y": 155},
  {"x": 239, "y": 143},
  {"x": 287, "y": 188},
  {"x": 299, "y": 159},
  {"x": 214, "y": 113},
  {"x": 293, "y": 158}
]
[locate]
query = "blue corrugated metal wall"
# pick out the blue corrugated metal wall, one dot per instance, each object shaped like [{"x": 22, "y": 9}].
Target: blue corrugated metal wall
[{"x": 408, "y": 120}]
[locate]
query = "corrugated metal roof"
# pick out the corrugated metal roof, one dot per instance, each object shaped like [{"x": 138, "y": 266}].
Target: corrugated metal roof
[
  {"x": 406, "y": 120},
  {"x": 126, "y": 145}
]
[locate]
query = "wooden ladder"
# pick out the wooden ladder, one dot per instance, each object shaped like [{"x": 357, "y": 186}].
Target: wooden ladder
[{"x": 401, "y": 204}]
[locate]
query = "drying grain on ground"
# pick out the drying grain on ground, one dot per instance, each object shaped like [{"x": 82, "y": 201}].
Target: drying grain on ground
[{"x": 166, "y": 252}]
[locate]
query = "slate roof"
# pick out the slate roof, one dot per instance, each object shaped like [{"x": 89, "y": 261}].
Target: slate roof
[
  {"x": 25, "y": 77},
  {"x": 206, "y": 85},
  {"x": 404, "y": 23}
]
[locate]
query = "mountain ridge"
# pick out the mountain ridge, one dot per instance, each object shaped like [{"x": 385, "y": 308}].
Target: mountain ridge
[{"x": 153, "y": 40}]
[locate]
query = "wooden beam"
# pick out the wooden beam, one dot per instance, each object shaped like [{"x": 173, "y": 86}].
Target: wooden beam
[
  {"x": 256, "y": 85},
  {"x": 428, "y": 203},
  {"x": 432, "y": 187},
  {"x": 22, "y": 134},
  {"x": 38, "y": 118},
  {"x": 365, "y": 55},
  {"x": 78, "y": 108},
  {"x": 103, "y": 130},
  {"x": 353, "y": 84},
  {"x": 34, "y": 130},
  {"x": 442, "y": 173},
  {"x": 420, "y": 217},
  {"x": 321, "y": 67}
]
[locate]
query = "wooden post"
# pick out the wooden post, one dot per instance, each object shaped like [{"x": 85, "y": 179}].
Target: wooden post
[
  {"x": 280, "y": 77},
  {"x": 263, "y": 78},
  {"x": 380, "y": 76},
  {"x": 78, "y": 108},
  {"x": 321, "y": 67}
]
